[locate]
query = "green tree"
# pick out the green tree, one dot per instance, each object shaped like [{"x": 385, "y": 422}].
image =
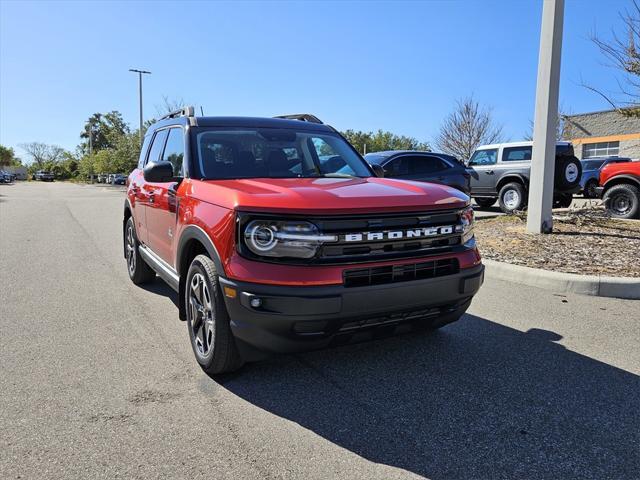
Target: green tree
[
  {"x": 103, "y": 131},
  {"x": 8, "y": 157},
  {"x": 383, "y": 140}
]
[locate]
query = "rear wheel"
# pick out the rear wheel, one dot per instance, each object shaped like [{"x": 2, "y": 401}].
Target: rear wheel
[
  {"x": 622, "y": 201},
  {"x": 208, "y": 321},
  {"x": 139, "y": 271},
  {"x": 513, "y": 197},
  {"x": 485, "y": 202},
  {"x": 563, "y": 200}
]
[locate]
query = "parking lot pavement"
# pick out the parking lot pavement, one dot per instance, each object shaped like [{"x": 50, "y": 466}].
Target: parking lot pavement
[{"x": 98, "y": 379}]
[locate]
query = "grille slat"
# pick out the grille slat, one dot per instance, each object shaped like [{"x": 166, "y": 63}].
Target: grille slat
[{"x": 362, "y": 277}]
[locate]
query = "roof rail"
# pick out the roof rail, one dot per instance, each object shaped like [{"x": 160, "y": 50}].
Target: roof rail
[
  {"x": 181, "y": 112},
  {"x": 303, "y": 117}
]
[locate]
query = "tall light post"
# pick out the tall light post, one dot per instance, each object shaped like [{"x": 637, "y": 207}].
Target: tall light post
[
  {"x": 140, "y": 73},
  {"x": 539, "y": 218}
]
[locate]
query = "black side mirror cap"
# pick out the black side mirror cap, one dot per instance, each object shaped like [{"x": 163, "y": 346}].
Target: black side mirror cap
[
  {"x": 377, "y": 169},
  {"x": 160, "y": 172}
]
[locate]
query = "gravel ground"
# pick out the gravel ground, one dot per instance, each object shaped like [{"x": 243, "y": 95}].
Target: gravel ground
[{"x": 584, "y": 242}]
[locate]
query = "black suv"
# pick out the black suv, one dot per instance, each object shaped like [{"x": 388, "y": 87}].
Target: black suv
[{"x": 501, "y": 172}]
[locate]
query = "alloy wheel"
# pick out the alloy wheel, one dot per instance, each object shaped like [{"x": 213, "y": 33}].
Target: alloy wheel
[
  {"x": 200, "y": 314},
  {"x": 511, "y": 199},
  {"x": 131, "y": 250}
]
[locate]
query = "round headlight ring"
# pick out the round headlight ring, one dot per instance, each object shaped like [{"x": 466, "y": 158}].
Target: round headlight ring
[{"x": 263, "y": 237}]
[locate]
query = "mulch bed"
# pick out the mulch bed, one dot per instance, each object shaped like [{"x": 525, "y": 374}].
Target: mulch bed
[{"x": 585, "y": 241}]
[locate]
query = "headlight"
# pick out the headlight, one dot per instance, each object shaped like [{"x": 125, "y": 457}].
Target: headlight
[
  {"x": 467, "y": 219},
  {"x": 297, "y": 239}
]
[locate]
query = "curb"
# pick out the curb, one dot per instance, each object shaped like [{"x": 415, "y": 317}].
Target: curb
[{"x": 596, "y": 285}]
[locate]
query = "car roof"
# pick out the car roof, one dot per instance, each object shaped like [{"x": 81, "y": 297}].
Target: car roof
[
  {"x": 607, "y": 158},
  {"x": 514, "y": 144},
  {"x": 251, "y": 122}
]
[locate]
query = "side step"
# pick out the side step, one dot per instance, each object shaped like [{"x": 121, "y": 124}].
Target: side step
[{"x": 162, "y": 268}]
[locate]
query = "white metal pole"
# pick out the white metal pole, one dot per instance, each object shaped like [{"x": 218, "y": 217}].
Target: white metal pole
[{"x": 539, "y": 219}]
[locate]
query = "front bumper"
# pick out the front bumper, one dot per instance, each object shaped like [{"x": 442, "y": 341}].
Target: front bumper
[{"x": 291, "y": 319}]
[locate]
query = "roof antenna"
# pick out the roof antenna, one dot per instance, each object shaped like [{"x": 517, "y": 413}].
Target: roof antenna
[{"x": 201, "y": 111}]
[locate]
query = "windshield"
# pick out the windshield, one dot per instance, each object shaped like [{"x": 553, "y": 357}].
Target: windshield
[
  {"x": 275, "y": 153},
  {"x": 592, "y": 164}
]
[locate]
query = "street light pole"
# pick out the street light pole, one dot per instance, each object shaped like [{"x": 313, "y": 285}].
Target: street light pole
[
  {"x": 539, "y": 218},
  {"x": 140, "y": 73}
]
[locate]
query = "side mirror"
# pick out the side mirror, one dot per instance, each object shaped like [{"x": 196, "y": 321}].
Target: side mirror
[
  {"x": 160, "y": 172},
  {"x": 377, "y": 169}
]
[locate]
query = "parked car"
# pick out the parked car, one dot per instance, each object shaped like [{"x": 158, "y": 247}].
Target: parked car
[
  {"x": 273, "y": 249},
  {"x": 422, "y": 166},
  {"x": 6, "y": 177},
  {"x": 43, "y": 176},
  {"x": 591, "y": 173},
  {"x": 119, "y": 179},
  {"x": 620, "y": 189},
  {"x": 501, "y": 172}
]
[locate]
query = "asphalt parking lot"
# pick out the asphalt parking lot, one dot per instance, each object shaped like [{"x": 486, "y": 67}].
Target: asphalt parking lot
[{"x": 98, "y": 379}]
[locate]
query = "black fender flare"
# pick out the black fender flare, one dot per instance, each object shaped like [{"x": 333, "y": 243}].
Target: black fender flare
[
  {"x": 615, "y": 180},
  {"x": 510, "y": 177},
  {"x": 193, "y": 232}
]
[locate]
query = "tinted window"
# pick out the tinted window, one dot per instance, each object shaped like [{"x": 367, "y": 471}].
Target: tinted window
[
  {"x": 592, "y": 164},
  {"x": 424, "y": 165},
  {"x": 397, "y": 167},
  {"x": 157, "y": 146},
  {"x": 275, "y": 153},
  {"x": 484, "y": 157},
  {"x": 516, "y": 154},
  {"x": 174, "y": 150}
]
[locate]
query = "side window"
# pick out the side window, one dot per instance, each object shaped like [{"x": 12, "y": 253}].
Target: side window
[
  {"x": 397, "y": 167},
  {"x": 174, "y": 150},
  {"x": 156, "y": 147},
  {"x": 425, "y": 165},
  {"x": 516, "y": 154},
  {"x": 143, "y": 151},
  {"x": 484, "y": 157}
]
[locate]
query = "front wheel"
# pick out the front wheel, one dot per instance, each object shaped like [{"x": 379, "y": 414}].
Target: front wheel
[
  {"x": 208, "y": 321},
  {"x": 513, "y": 197},
  {"x": 590, "y": 189},
  {"x": 622, "y": 201}
]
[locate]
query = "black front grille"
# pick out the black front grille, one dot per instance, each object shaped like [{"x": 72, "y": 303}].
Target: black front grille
[
  {"x": 363, "y": 277},
  {"x": 345, "y": 252}
]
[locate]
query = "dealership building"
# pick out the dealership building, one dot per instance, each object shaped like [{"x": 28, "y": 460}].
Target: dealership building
[{"x": 603, "y": 134}]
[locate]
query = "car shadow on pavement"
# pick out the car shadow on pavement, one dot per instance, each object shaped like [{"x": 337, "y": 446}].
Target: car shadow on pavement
[
  {"x": 474, "y": 400},
  {"x": 160, "y": 287}
]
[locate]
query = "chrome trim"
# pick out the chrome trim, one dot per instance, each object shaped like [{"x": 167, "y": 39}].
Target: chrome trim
[{"x": 161, "y": 267}]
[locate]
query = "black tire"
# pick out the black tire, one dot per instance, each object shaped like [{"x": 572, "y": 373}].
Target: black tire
[
  {"x": 622, "y": 201},
  {"x": 590, "y": 189},
  {"x": 139, "y": 271},
  {"x": 208, "y": 322},
  {"x": 485, "y": 202},
  {"x": 563, "y": 200},
  {"x": 512, "y": 197},
  {"x": 568, "y": 171}
]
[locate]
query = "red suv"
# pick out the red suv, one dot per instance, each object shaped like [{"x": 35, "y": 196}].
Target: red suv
[
  {"x": 620, "y": 189},
  {"x": 279, "y": 237}
]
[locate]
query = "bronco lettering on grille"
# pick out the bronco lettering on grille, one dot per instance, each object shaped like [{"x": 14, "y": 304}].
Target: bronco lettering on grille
[{"x": 401, "y": 234}]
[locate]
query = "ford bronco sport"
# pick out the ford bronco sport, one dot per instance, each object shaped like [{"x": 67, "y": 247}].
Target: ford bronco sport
[
  {"x": 279, "y": 237},
  {"x": 501, "y": 172}
]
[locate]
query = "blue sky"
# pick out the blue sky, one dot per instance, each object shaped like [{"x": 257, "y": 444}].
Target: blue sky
[{"x": 397, "y": 66}]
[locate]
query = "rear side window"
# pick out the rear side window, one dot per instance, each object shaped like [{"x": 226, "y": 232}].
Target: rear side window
[
  {"x": 174, "y": 150},
  {"x": 516, "y": 154},
  {"x": 424, "y": 165},
  {"x": 484, "y": 157},
  {"x": 157, "y": 146},
  {"x": 397, "y": 167}
]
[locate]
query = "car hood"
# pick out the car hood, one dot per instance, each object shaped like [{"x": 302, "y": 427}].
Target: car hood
[{"x": 328, "y": 195}]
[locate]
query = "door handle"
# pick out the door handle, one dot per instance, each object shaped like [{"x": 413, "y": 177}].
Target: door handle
[{"x": 489, "y": 172}]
